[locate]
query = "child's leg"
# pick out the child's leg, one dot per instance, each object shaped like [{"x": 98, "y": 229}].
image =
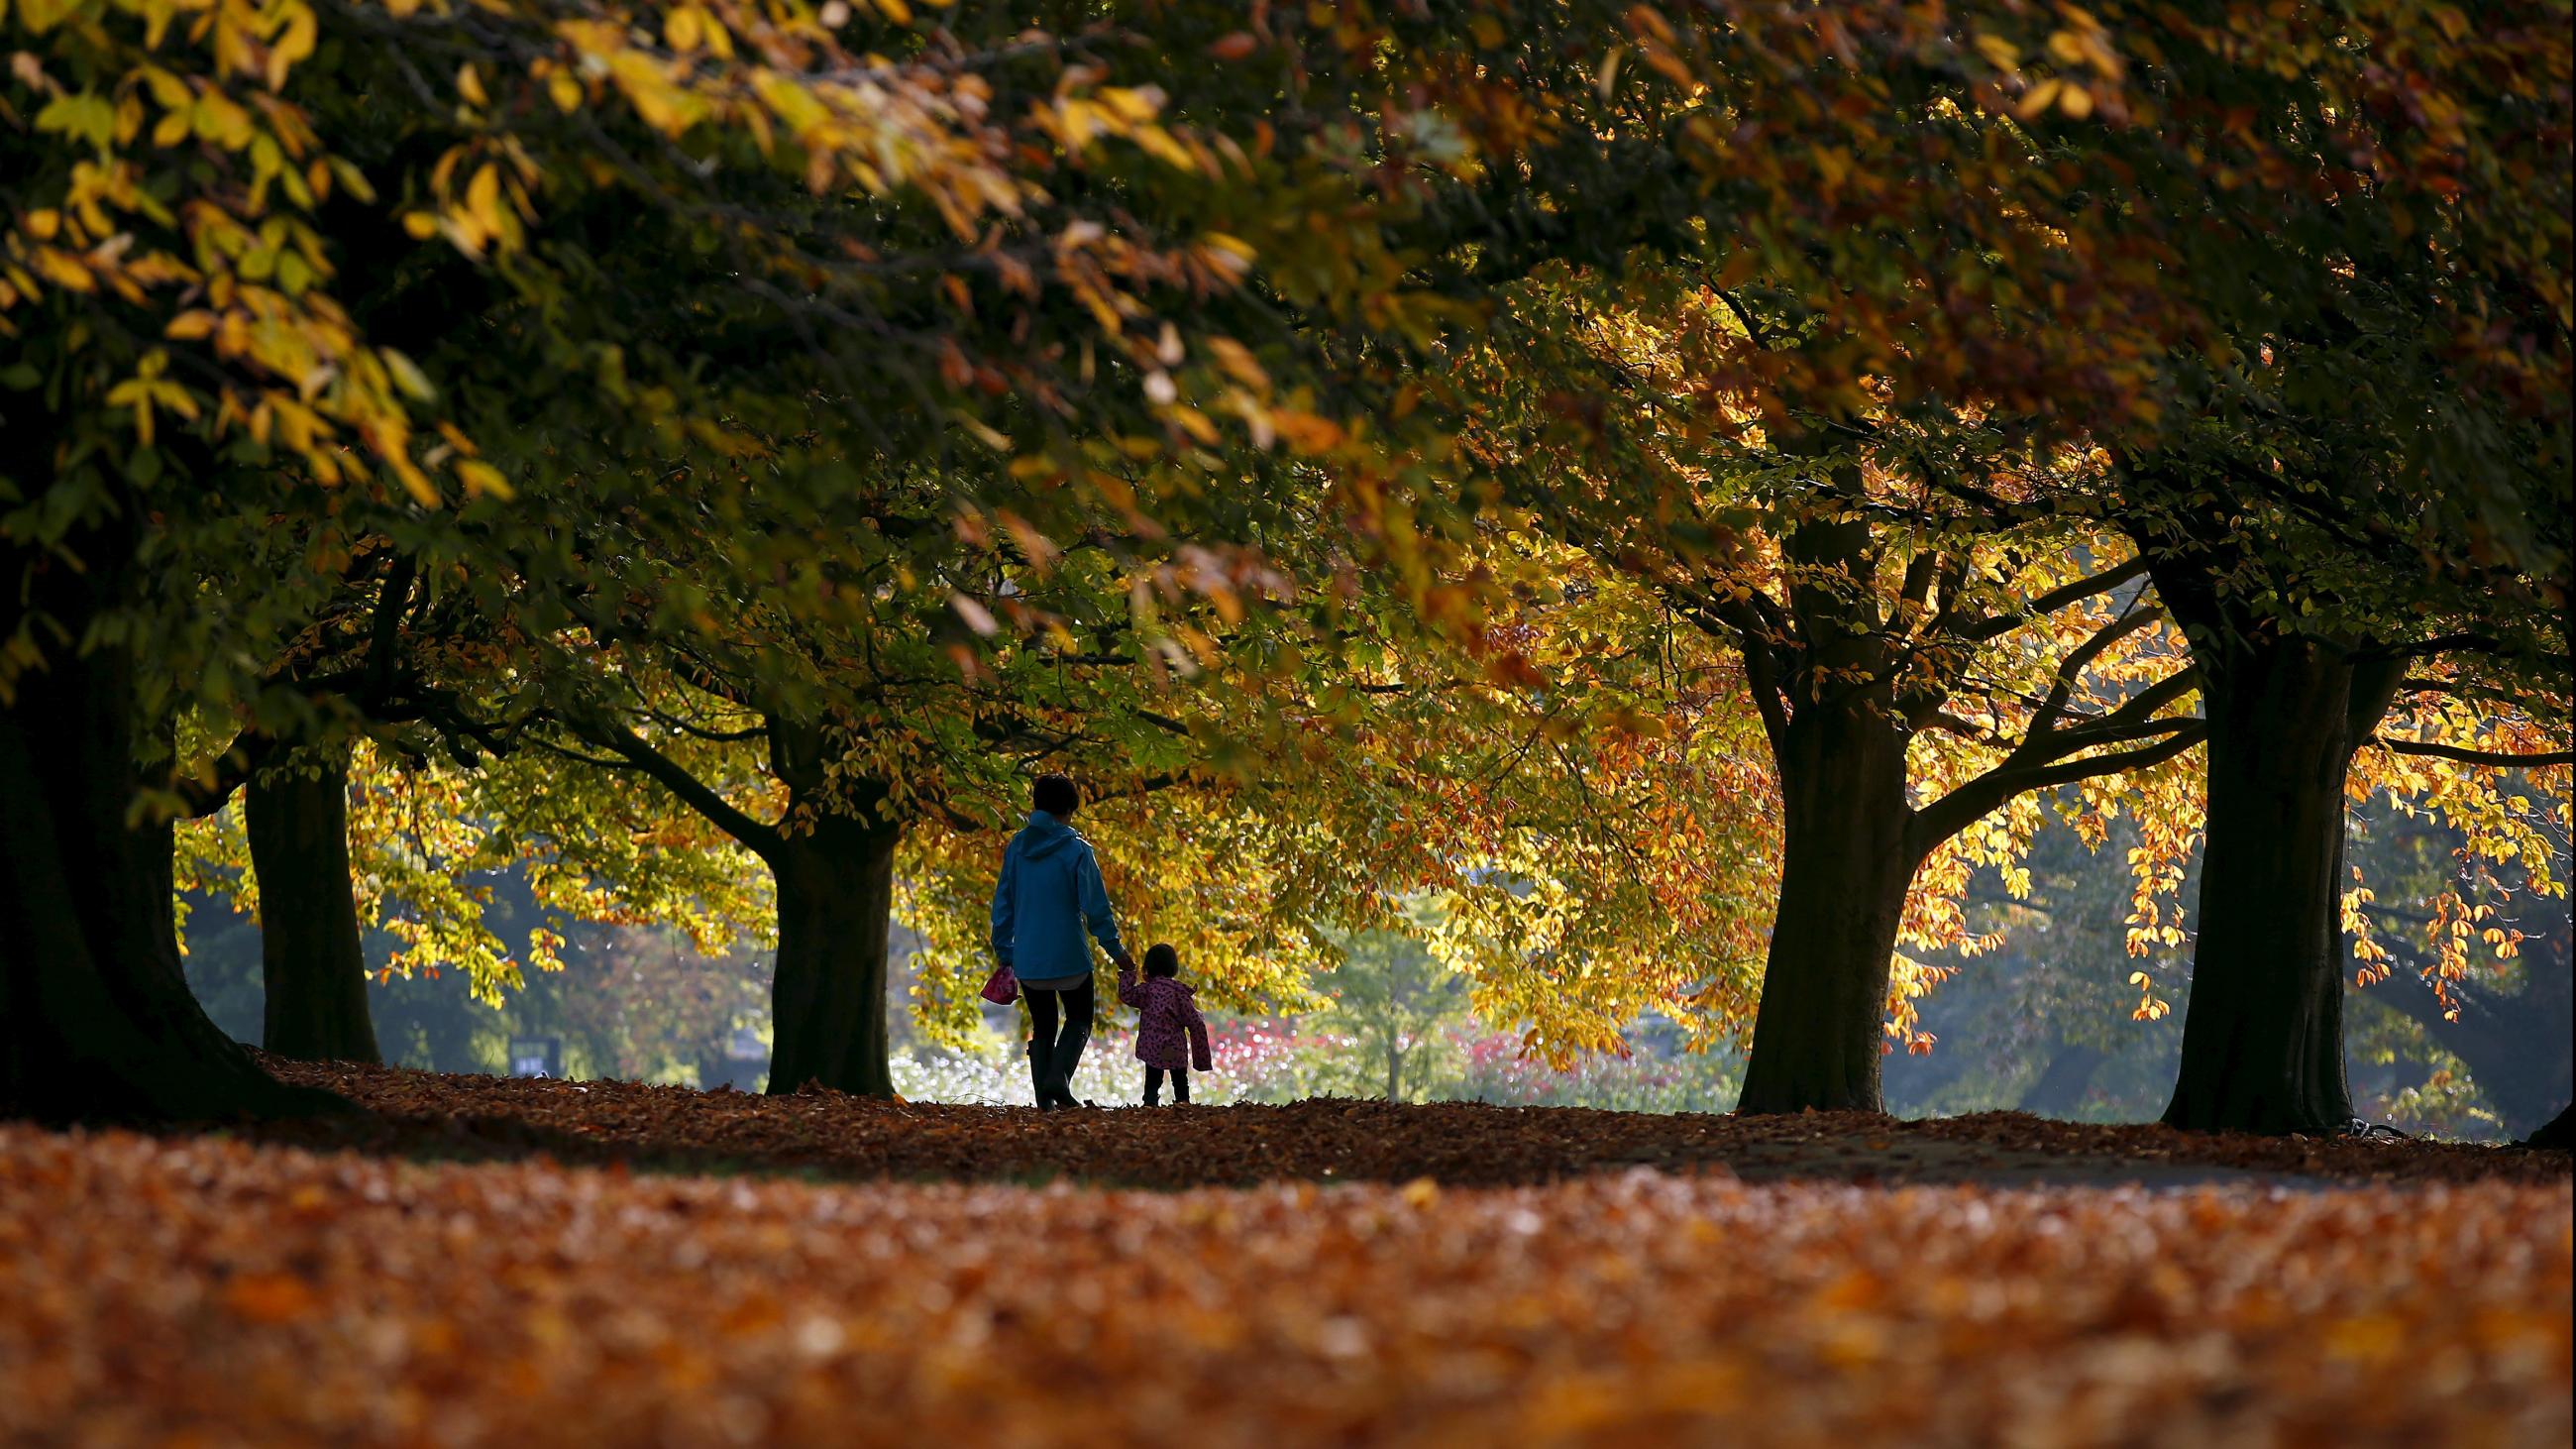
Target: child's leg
[
  {"x": 1154, "y": 1086},
  {"x": 1180, "y": 1086}
]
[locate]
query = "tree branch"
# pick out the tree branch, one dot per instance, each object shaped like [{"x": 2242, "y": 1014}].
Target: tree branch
[
  {"x": 763, "y": 840},
  {"x": 2477, "y": 757},
  {"x": 2041, "y": 746},
  {"x": 1985, "y": 794},
  {"x": 232, "y": 769},
  {"x": 393, "y": 600},
  {"x": 2056, "y": 599},
  {"x": 2072, "y": 667}
]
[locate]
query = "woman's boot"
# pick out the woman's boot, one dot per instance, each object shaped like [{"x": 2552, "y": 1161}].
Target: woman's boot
[
  {"x": 1068, "y": 1055},
  {"x": 1042, "y": 1084}
]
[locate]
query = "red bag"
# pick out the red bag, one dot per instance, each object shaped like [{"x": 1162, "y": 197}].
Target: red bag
[{"x": 1002, "y": 988}]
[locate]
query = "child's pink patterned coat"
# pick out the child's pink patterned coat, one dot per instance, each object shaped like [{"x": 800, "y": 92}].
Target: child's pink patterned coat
[{"x": 1170, "y": 1033}]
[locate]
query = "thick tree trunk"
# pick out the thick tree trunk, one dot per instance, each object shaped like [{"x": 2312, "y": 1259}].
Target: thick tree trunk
[
  {"x": 96, "y": 1022},
  {"x": 311, "y": 958},
  {"x": 2262, "y": 1046},
  {"x": 2559, "y": 1132},
  {"x": 1845, "y": 868},
  {"x": 828, "y": 1004}
]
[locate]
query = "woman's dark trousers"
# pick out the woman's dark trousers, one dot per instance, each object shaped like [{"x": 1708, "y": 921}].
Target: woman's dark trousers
[{"x": 1054, "y": 1051}]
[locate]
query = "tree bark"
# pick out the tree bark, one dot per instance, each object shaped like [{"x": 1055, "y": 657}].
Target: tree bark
[
  {"x": 312, "y": 961},
  {"x": 1846, "y": 864},
  {"x": 828, "y": 1002},
  {"x": 96, "y": 1021},
  {"x": 2262, "y": 1046}
]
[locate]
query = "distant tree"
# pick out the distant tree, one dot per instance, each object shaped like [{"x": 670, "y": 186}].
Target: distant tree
[{"x": 1395, "y": 1000}]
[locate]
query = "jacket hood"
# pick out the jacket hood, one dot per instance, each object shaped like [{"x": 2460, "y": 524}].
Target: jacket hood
[{"x": 1045, "y": 835}]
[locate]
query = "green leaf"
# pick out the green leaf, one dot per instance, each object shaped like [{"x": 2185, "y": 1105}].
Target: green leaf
[{"x": 85, "y": 115}]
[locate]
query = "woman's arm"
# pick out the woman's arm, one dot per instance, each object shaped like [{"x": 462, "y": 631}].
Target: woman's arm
[
  {"x": 1094, "y": 897},
  {"x": 1006, "y": 908}
]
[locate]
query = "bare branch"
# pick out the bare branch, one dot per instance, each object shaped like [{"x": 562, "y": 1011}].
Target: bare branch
[
  {"x": 674, "y": 777},
  {"x": 2056, "y": 599},
  {"x": 2072, "y": 667},
  {"x": 2499, "y": 758},
  {"x": 1987, "y": 793}
]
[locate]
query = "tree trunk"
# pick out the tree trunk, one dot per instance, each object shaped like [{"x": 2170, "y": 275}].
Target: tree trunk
[
  {"x": 828, "y": 1003},
  {"x": 1845, "y": 868},
  {"x": 2262, "y": 1047},
  {"x": 311, "y": 959},
  {"x": 2559, "y": 1132},
  {"x": 96, "y": 1021}
]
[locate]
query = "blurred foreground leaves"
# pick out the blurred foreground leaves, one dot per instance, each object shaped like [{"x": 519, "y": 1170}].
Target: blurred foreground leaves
[{"x": 214, "y": 1291}]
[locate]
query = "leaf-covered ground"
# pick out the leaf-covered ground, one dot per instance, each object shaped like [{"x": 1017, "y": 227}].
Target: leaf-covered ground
[
  {"x": 828, "y": 1135},
  {"x": 211, "y": 1290}
]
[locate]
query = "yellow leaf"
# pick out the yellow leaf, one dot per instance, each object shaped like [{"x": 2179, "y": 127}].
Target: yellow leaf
[
  {"x": 218, "y": 120},
  {"x": 293, "y": 44},
  {"x": 480, "y": 478},
  {"x": 683, "y": 29},
  {"x": 1131, "y": 106},
  {"x": 1237, "y": 360},
  {"x": 64, "y": 270},
  {"x": 407, "y": 375},
  {"x": 483, "y": 199}
]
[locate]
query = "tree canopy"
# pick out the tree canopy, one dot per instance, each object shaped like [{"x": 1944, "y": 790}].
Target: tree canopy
[{"x": 1685, "y": 492}]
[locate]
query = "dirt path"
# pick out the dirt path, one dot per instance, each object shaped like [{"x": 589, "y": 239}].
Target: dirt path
[{"x": 827, "y": 1136}]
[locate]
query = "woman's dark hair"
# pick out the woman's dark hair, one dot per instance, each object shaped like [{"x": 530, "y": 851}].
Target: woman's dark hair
[
  {"x": 1162, "y": 960},
  {"x": 1056, "y": 795}
]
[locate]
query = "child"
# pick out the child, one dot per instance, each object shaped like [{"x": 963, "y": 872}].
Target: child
[{"x": 1164, "y": 1013}]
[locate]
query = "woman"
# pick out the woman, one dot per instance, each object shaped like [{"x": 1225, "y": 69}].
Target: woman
[{"x": 1050, "y": 891}]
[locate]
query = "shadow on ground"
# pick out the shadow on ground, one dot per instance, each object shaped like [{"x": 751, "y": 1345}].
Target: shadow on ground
[{"x": 833, "y": 1137}]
